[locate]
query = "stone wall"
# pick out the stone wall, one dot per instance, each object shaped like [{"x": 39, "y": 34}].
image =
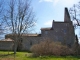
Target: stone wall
[
  {"x": 62, "y": 32},
  {"x": 27, "y": 42},
  {"x": 6, "y": 45}
]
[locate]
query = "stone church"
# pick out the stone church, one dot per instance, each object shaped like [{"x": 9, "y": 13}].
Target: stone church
[{"x": 60, "y": 31}]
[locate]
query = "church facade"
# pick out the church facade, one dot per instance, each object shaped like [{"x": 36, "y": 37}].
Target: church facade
[{"x": 59, "y": 32}]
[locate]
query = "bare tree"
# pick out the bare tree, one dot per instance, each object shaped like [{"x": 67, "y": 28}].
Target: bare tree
[
  {"x": 75, "y": 17},
  {"x": 19, "y": 17},
  {"x": 1, "y": 15},
  {"x": 75, "y": 14}
]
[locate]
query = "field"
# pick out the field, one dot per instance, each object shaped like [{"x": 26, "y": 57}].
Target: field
[{"x": 5, "y": 55}]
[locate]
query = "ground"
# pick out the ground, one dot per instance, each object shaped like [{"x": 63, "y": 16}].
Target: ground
[{"x": 5, "y": 55}]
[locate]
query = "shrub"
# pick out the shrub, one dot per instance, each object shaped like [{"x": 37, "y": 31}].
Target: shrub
[
  {"x": 50, "y": 48},
  {"x": 76, "y": 49},
  {"x": 41, "y": 49}
]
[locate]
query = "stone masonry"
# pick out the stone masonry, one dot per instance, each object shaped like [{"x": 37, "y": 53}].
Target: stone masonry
[
  {"x": 60, "y": 32},
  {"x": 6, "y": 44}
]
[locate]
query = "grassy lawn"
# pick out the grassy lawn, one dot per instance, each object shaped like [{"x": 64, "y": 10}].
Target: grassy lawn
[{"x": 4, "y": 55}]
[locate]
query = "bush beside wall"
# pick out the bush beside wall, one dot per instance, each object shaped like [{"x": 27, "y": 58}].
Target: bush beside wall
[{"x": 50, "y": 48}]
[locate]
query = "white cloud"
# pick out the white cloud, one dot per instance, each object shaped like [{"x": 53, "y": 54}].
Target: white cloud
[
  {"x": 45, "y": 0},
  {"x": 51, "y": 1},
  {"x": 35, "y": 23},
  {"x": 55, "y": 2},
  {"x": 63, "y": 2},
  {"x": 74, "y": 22},
  {"x": 68, "y": 3},
  {"x": 48, "y": 0},
  {"x": 48, "y": 23}
]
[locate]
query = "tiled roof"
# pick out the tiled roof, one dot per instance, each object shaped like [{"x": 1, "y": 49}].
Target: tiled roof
[
  {"x": 25, "y": 34},
  {"x": 30, "y": 34},
  {"x": 8, "y": 39}
]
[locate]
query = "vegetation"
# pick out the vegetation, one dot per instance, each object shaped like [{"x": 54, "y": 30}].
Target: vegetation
[
  {"x": 18, "y": 18},
  {"x": 4, "y": 55},
  {"x": 50, "y": 48},
  {"x": 75, "y": 15}
]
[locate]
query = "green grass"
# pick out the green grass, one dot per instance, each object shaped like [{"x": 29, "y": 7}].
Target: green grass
[{"x": 4, "y": 55}]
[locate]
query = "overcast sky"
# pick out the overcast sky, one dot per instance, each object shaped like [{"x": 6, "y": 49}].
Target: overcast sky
[{"x": 48, "y": 10}]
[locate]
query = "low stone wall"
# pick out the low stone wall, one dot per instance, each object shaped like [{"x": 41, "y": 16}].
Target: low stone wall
[
  {"x": 29, "y": 41},
  {"x": 6, "y": 45}
]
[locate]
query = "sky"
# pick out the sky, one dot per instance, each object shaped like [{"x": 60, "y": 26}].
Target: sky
[{"x": 48, "y": 10}]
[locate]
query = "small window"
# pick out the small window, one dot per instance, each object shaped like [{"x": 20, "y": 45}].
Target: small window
[{"x": 64, "y": 31}]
